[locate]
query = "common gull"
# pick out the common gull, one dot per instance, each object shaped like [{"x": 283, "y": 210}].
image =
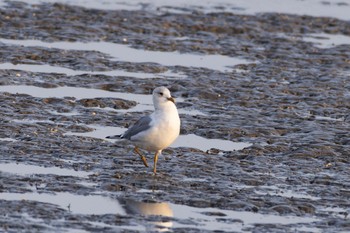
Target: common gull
[{"x": 156, "y": 131}]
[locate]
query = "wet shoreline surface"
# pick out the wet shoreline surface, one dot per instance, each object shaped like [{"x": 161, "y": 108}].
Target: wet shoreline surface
[{"x": 264, "y": 104}]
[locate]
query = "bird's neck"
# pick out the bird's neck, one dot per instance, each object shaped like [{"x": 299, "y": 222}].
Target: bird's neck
[{"x": 167, "y": 107}]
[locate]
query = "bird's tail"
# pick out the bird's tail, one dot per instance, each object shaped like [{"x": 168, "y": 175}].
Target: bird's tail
[{"x": 114, "y": 136}]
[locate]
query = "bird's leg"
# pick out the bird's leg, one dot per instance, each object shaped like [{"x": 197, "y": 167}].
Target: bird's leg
[
  {"x": 155, "y": 161},
  {"x": 141, "y": 155}
]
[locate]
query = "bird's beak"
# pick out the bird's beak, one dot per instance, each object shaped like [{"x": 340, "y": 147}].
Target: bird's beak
[{"x": 171, "y": 99}]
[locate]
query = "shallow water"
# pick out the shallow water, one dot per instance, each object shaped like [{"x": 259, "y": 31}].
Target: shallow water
[
  {"x": 26, "y": 169},
  {"x": 70, "y": 72},
  {"x": 122, "y": 52},
  {"x": 324, "y": 40},
  {"x": 77, "y": 204},
  {"x": 311, "y": 7},
  {"x": 204, "y": 144},
  {"x": 75, "y": 92},
  {"x": 144, "y": 101},
  {"x": 190, "y": 140},
  {"x": 201, "y": 218},
  {"x": 8, "y": 140},
  {"x": 278, "y": 191}
]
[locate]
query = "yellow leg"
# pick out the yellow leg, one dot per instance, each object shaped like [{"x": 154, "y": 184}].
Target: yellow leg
[
  {"x": 141, "y": 155},
  {"x": 155, "y": 162}
]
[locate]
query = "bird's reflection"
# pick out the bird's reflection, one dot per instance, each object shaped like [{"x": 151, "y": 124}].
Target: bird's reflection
[{"x": 147, "y": 209}]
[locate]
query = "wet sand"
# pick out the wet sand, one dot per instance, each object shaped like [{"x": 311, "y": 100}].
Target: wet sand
[{"x": 264, "y": 101}]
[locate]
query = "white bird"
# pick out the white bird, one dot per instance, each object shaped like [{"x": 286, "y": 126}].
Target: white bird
[{"x": 158, "y": 130}]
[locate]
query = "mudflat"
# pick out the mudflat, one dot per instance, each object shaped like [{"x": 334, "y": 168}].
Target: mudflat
[{"x": 72, "y": 75}]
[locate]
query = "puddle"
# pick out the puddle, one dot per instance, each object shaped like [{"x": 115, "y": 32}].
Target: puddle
[
  {"x": 308, "y": 115},
  {"x": 187, "y": 179},
  {"x": 204, "y": 144},
  {"x": 336, "y": 211},
  {"x": 100, "y": 132},
  {"x": 208, "y": 219},
  {"x": 275, "y": 191},
  {"x": 122, "y": 52},
  {"x": 189, "y": 140},
  {"x": 325, "y": 41},
  {"x": 8, "y": 140},
  {"x": 148, "y": 191},
  {"x": 305, "y": 229},
  {"x": 145, "y": 101},
  {"x": 71, "y": 113},
  {"x": 25, "y": 169},
  {"x": 32, "y": 121},
  {"x": 75, "y": 92},
  {"x": 325, "y": 118},
  {"x": 78, "y": 204},
  {"x": 61, "y": 70},
  {"x": 316, "y": 8},
  {"x": 99, "y": 205}
]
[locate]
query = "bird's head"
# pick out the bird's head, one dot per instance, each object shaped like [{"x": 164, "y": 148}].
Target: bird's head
[{"x": 161, "y": 97}]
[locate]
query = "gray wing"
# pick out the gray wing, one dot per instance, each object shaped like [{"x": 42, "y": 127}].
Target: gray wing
[{"x": 141, "y": 125}]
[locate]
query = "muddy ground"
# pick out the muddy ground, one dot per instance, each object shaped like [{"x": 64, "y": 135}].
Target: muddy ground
[{"x": 292, "y": 103}]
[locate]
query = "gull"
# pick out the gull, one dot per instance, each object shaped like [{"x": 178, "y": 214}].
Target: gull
[{"x": 156, "y": 131}]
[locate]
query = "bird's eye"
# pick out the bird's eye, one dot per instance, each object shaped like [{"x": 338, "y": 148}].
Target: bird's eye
[{"x": 161, "y": 93}]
